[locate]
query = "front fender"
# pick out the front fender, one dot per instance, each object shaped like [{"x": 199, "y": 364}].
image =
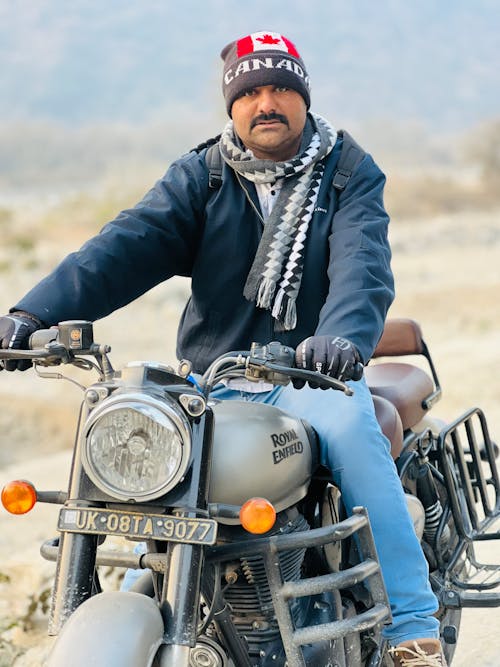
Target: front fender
[{"x": 117, "y": 629}]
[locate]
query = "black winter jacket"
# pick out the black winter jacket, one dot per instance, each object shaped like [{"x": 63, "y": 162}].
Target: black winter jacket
[{"x": 182, "y": 227}]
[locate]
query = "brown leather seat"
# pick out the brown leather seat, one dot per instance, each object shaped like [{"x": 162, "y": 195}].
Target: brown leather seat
[
  {"x": 401, "y": 337},
  {"x": 408, "y": 387},
  {"x": 404, "y": 385},
  {"x": 390, "y": 423}
]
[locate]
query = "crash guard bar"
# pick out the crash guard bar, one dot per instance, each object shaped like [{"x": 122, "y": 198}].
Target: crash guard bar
[{"x": 367, "y": 572}]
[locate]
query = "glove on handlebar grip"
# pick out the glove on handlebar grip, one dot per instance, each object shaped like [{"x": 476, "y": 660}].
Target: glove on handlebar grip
[
  {"x": 330, "y": 355},
  {"x": 15, "y": 331}
]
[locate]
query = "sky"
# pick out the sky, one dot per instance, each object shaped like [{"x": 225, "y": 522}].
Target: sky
[{"x": 119, "y": 61}]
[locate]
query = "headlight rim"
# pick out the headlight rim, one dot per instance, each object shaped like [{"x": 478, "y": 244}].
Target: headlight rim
[{"x": 126, "y": 400}]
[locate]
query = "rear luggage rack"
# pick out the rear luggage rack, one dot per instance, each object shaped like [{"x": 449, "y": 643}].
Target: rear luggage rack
[
  {"x": 467, "y": 461},
  {"x": 366, "y": 572}
]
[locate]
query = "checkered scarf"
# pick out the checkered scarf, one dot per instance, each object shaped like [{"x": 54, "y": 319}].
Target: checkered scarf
[{"x": 276, "y": 273}]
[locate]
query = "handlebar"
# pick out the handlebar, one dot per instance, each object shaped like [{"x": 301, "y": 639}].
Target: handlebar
[
  {"x": 273, "y": 363},
  {"x": 280, "y": 359},
  {"x": 57, "y": 343},
  {"x": 68, "y": 343}
]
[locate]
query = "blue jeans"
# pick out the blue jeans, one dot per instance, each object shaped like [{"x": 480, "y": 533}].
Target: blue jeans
[{"x": 358, "y": 455}]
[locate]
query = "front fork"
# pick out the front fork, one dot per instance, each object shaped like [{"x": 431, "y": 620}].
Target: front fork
[
  {"x": 181, "y": 594},
  {"x": 74, "y": 577},
  {"x": 76, "y": 556},
  {"x": 180, "y": 600}
]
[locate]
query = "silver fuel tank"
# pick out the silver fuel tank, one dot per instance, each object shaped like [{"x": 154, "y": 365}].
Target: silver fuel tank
[{"x": 259, "y": 451}]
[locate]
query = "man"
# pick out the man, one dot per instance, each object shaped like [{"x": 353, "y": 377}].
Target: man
[{"x": 275, "y": 252}]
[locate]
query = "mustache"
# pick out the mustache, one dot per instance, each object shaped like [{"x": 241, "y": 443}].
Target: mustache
[{"x": 269, "y": 116}]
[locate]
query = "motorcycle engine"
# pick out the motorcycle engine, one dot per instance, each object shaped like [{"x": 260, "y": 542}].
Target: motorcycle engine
[{"x": 246, "y": 589}]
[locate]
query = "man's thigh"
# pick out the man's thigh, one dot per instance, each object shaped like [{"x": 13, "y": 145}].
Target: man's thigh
[{"x": 347, "y": 427}]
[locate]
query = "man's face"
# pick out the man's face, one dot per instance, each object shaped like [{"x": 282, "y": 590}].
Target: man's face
[{"x": 270, "y": 120}]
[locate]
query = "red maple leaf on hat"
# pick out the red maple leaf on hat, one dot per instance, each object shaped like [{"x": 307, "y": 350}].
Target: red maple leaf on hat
[{"x": 268, "y": 39}]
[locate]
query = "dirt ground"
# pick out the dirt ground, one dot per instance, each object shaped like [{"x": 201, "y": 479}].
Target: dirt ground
[{"x": 448, "y": 278}]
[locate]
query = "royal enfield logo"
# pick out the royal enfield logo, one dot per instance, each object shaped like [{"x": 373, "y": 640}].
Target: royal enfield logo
[{"x": 285, "y": 444}]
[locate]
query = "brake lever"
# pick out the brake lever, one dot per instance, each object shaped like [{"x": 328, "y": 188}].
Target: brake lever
[{"x": 310, "y": 376}]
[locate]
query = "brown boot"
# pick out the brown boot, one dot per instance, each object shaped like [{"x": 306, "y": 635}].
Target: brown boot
[{"x": 418, "y": 653}]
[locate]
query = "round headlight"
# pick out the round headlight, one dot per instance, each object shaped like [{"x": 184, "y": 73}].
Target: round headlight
[{"x": 136, "y": 449}]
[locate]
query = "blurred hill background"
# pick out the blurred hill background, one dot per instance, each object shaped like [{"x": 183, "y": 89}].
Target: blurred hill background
[
  {"x": 123, "y": 61},
  {"x": 92, "y": 92}
]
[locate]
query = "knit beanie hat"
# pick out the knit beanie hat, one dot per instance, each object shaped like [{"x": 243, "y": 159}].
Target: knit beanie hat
[{"x": 262, "y": 59}]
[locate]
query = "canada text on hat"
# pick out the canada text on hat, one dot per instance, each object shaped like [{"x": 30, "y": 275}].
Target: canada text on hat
[{"x": 260, "y": 59}]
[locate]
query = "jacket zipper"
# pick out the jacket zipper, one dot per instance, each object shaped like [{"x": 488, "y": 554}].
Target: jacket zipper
[{"x": 247, "y": 194}]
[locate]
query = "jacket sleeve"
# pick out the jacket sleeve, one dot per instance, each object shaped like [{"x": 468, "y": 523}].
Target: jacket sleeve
[
  {"x": 361, "y": 284},
  {"x": 140, "y": 248}
]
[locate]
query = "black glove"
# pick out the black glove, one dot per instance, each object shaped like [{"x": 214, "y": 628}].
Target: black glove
[
  {"x": 330, "y": 355},
  {"x": 15, "y": 331}
]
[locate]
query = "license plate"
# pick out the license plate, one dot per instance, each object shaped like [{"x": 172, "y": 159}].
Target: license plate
[{"x": 131, "y": 524}]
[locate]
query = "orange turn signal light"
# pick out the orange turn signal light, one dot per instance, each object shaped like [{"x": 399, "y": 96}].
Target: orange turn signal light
[
  {"x": 257, "y": 515},
  {"x": 19, "y": 496}
]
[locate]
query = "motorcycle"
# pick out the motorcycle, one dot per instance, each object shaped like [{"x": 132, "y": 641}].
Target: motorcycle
[{"x": 246, "y": 564}]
